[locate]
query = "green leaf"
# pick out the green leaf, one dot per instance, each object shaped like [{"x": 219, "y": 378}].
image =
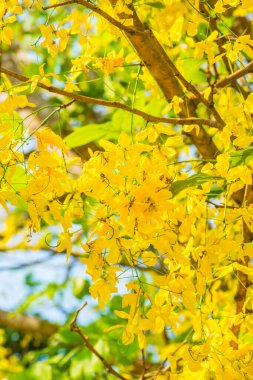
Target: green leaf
[
  {"x": 64, "y": 335},
  {"x": 16, "y": 122},
  {"x": 84, "y": 135},
  {"x": 195, "y": 180},
  {"x": 78, "y": 365},
  {"x": 41, "y": 371},
  {"x": 249, "y": 244},
  {"x": 191, "y": 67},
  {"x": 80, "y": 287},
  {"x": 155, "y": 4},
  {"x": 115, "y": 303},
  {"x": 241, "y": 157},
  {"x": 215, "y": 191},
  {"x": 122, "y": 121},
  {"x": 85, "y": 365},
  {"x": 247, "y": 339},
  {"x": 30, "y": 280},
  {"x": 18, "y": 178}
]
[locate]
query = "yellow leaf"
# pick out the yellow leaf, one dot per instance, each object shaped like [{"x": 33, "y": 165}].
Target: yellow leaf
[
  {"x": 46, "y": 138},
  {"x": 10, "y": 20},
  {"x": 18, "y": 89},
  {"x": 232, "y": 55},
  {"x": 248, "y": 250},
  {"x": 3, "y": 203},
  {"x": 243, "y": 269},
  {"x": 177, "y": 29},
  {"x": 140, "y": 136},
  {"x": 41, "y": 70},
  {"x": 222, "y": 163},
  {"x": 121, "y": 314},
  {"x": 174, "y": 141},
  {"x": 141, "y": 340},
  {"x": 189, "y": 128},
  {"x": 124, "y": 140},
  {"x": 207, "y": 168},
  {"x": 189, "y": 300},
  {"x": 243, "y": 141},
  {"x": 7, "y": 35},
  {"x": 127, "y": 337},
  {"x": 197, "y": 326},
  {"x": 149, "y": 258},
  {"x": 200, "y": 284},
  {"x": 113, "y": 328},
  {"x": 219, "y": 7},
  {"x": 159, "y": 324},
  {"x": 161, "y": 297},
  {"x": 64, "y": 243},
  {"x": 213, "y": 36},
  {"x": 166, "y": 130},
  {"x": 192, "y": 28},
  {"x": 34, "y": 216},
  {"x": 217, "y": 58},
  {"x": 176, "y": 101},
  {"x": 152, "y": 134},
  {"x": 6, "y": 140},
  {"x": 224, "y": 271}
]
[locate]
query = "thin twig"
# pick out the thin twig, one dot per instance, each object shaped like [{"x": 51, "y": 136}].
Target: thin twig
[
  {"x": 142, "y": 377},
  {"x": 236, "y": 75},
  {"x": 168, "y": 367},
  {"x": 74, "y": 327},
  {"x": 221, "y": 205},
  {"x": 25, "y": 265},
  {"x": 107, "y": 103},
  {"x": 27, "y": 324},
  {"x": 94, "y": 9},
  {"x": 220, "y": 123}
]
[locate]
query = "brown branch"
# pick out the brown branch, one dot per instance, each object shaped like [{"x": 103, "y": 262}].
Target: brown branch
[
  {"x": 27, "y": 324},
  {"x": 221, "y": 205},
  {"x": 205, "y": 10},
  {"x": 220, "y": 123},
  {"x": 94, "y": 9},
  {"x": 46, "y": 249},
  {"x": 107, "y": 103},
  {"x": 74, "y": 327},
  {"x": 142, "y": 377},
  {"x": 139, "y": 29},
  {"x": 139, "y": 36},
  {"x": 160, "y": 67},
  {"x": 162, "y": 369},
  {"x": 25, "y": 265},
  {"x": 146, "y": 31},
  {"x": 236, "y": 75},
  {"x": 158, "y": 270}
]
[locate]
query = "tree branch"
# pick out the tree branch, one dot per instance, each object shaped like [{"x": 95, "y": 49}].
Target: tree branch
[
  {"x": 107, "y": 103},
  {"x": 27, "y": 324},
  {"x": 74, "y": 327},
  {"x": 236, "y": 75},
  {"x": 141, "y": 30},
  {"x": 25, "y": 265},
  {"x": 161, "y": 68},
  {"x": 94, "y": 9},
  {"x": 147, "y": 33}
]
